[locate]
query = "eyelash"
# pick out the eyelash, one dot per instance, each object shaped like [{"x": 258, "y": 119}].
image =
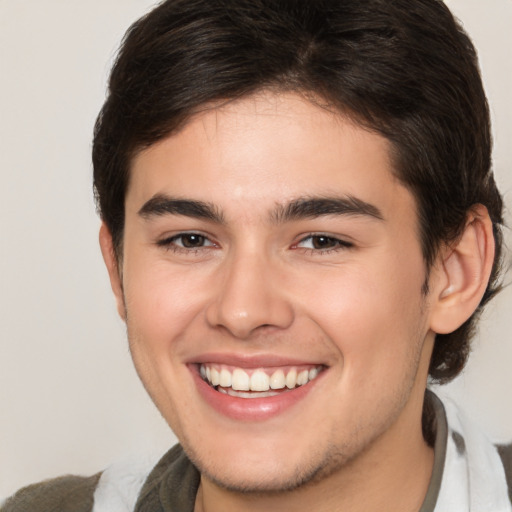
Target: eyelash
[
  {"x": 171, "y": 245},
  {"x": 338, "y": 244}
]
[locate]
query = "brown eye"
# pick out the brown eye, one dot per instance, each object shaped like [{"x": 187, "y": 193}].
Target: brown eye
[
  {"x": 185, "y": 241},
  {"x": 324, "y": 242},
  {"x": 192, "y": 240}
]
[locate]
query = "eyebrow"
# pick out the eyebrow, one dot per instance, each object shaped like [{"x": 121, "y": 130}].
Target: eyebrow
[
  {"x": 161, "y": 204},
  {"x": 297, "y": 209},
  {"x": 312, "y": 207}
]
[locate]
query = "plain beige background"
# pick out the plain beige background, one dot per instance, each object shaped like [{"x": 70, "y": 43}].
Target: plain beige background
[{"x": 70, "y": 401}]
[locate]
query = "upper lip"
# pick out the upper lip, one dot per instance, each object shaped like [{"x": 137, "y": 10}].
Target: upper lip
[{"x": 241, "y": 360}]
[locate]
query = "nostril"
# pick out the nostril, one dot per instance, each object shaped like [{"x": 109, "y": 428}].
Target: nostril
[{"x": 248, "y": 301}]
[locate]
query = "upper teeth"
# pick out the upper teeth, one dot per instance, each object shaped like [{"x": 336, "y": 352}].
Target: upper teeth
[{"x": 256, "y": 380}]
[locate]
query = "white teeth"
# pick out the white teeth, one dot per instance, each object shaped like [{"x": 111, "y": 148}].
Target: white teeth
[
  {"x": 240, "y": 380},
  {"x": 247, "y": 394},
  {"x": 291, "y": 379},
  {"x": 260, "y": 381},
  {"x": 215, "y": 377},
  {"x": 277, "y": 381},
  {"x": 302, "y": 378},
  {"x": 225, "y": 378}
]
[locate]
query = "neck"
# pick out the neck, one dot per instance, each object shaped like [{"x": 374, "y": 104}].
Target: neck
[{"x": 392, "y": 475}]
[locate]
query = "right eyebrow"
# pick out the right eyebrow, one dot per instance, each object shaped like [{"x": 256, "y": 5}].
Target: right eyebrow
[
  {"x": 161, "y": 204},
  {"x": 313, "y": 207}
]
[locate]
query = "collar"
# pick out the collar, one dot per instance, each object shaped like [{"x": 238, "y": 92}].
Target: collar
[{"x": 468, "y": 474}]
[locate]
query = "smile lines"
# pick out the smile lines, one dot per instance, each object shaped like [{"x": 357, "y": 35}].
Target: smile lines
[{"x": 236, "y": 381}]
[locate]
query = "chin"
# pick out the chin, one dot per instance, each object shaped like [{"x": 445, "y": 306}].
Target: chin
[
  {"x": 264, "y": 475},
  {"x": 260, "y": 482}
]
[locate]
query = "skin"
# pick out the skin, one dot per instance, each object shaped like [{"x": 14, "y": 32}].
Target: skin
[{"x": 258, "y": 284}]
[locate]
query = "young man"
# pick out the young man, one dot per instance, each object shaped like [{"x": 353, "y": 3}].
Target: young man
[{"x": 300, "y": 224}]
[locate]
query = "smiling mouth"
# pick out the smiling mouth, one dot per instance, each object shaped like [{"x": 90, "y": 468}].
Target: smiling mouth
[{"x": 257, "y": 383}]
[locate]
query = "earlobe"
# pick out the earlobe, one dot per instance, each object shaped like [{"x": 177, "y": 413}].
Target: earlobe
[
  {"x": 109, "y": 257},
  {"x": 465, "y": 268}
]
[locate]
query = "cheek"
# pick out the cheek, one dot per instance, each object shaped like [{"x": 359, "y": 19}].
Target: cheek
[
  {"x": 372, "y": 315},
  {"x": 161, "y": 303}
]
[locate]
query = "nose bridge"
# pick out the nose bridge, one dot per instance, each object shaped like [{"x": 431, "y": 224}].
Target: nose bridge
[{"x": 249, "y": 295}]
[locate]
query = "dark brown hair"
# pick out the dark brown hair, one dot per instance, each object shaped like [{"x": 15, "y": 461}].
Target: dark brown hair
[{"x": 403, "y": 68}]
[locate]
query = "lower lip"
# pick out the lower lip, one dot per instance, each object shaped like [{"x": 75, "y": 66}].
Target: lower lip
[{"x": 251, "y": 409}]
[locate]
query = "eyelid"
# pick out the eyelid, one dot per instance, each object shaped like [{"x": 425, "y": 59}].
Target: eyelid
[
  {"x": 168, "y": 242},
  {"x": 340, "y": 243}
]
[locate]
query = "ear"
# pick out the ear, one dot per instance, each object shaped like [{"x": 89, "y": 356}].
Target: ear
[
  {"x": 109, "y": 257},
  {"x": 465, "y": 268}
]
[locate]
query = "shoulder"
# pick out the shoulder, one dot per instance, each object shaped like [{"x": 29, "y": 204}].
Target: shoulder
[
  {"x": 505, "y": 452},
  {"x": 468, "y": 466},
  {"x": 69, "y": 493},
  {"x": 144, "y": 483},
  {"x": 171, "y": 485}
]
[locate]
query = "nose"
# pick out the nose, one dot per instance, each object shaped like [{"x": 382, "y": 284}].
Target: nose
[{"x": 250, "y": 296}]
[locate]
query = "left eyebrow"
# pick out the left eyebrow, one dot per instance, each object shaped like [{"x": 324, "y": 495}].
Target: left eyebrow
[
  {"x": 311, "y": 207},
  {"x": 161, "y": 204}
]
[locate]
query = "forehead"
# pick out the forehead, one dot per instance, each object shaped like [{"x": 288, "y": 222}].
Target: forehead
[{"x": 264, "y": 150}]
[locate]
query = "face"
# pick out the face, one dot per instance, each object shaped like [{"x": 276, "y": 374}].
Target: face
[{"x": 272, "y": 288}]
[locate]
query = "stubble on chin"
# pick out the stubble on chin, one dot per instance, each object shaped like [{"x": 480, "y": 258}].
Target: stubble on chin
[{"x": 318, "y": 468}]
